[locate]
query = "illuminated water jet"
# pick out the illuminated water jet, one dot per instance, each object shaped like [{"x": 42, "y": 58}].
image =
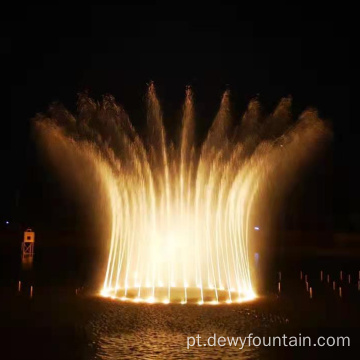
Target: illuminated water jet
[{"x": 181, "y": 214}]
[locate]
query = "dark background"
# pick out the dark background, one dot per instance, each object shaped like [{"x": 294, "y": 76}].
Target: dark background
[{"x": 52, "y": 52}]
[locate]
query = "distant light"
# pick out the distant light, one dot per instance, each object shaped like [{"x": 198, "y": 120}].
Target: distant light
[
  {"x": 256, "y": 228},
  {"x": 6, "y": 222}
]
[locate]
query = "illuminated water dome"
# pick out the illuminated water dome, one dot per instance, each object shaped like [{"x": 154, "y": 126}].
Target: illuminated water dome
[{"x": 180, "y": 213}]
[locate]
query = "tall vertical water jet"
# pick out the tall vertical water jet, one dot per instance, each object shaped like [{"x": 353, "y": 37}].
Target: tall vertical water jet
[{"x": 180, "y": 215}]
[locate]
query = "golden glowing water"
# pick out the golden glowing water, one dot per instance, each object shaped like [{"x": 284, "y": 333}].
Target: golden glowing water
[{"x": 181, "y": 214}]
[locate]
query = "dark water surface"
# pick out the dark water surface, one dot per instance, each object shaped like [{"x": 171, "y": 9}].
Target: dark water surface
[{"x": 58, "y": 324}]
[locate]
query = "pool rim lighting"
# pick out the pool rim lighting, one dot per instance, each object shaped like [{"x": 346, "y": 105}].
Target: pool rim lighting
[{"x": 235, "y": 298}]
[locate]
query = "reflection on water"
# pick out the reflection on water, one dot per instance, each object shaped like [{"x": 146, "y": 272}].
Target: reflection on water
[
  {"x": 60, "y": 323},
  {"x": 126, "y": 331},
  {"x": 27, "y": 262}
]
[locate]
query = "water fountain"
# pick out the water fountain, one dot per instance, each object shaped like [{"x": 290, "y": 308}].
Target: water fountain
[{"x": 182, "y": 214}]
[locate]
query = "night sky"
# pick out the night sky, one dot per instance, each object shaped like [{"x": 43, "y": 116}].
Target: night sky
[{"x": 50, "y": 53}]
